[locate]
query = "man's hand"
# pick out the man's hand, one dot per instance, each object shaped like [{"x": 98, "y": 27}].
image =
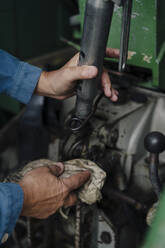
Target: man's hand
[
  {"x": 45, "y": 193},
  {"x": 60, "y": 84}
]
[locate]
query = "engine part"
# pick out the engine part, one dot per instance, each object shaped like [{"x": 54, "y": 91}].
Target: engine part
[
  {"x": 154, "y": 142},
  {"x": 125, "y": 30},
  {"x": 106, "y": 232},
  {"x": 97, "y": 231},
  {"x": 117, "y": 130},
  {"x": 146, "y": 45},
  {"x": 114, "y": 194},
  {"x": 98, "y": 17}
]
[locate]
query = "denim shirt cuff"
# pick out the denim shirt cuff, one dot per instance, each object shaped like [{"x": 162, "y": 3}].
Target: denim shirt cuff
[
  {"x": 24, "y": 82},
  {"x": 11, "y": 205}
]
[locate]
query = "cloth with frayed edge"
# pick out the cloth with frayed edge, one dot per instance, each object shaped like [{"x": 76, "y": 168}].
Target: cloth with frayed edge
[
  {"x": 18, "y": 175},
  {"x": 89, "y": 193},
  {"x": 151, "y": 213}
]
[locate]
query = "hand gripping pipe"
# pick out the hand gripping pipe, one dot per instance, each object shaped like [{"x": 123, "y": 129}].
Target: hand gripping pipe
[{"x": 98, "y": 16}]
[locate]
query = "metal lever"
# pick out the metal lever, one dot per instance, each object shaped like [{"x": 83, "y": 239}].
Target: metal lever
[
  {"x": 154, "y": 143},
  {"x": 125, "y": 30}
]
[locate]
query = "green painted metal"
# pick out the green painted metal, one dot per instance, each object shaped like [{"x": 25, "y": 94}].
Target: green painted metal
[{"x": 147, "y": 37}]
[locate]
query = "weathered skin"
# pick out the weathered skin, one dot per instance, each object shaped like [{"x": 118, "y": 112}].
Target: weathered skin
[{"x": 44, "y": 191}]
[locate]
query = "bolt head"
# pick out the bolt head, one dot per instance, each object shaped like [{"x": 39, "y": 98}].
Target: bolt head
[{"x": 106, "y": 237}]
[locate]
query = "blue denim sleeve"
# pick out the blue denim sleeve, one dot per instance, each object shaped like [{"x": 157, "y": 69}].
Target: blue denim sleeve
[
  {"x": 11, "y": 202},
  {"x": 17, "y": 79}
]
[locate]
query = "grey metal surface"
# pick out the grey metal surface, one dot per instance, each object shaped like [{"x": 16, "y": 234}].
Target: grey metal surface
[
  {"x": 106, "y": 233},
  {"x": 133, "y": 120},
  {"x": 98, "y": 15},
  {"x": 119, "y": 129}
]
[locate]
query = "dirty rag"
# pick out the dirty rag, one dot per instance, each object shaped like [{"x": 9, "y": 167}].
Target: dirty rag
[{"x": 89, "y": 193}]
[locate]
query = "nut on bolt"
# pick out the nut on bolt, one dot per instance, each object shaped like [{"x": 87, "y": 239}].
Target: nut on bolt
[{"x": 106, "y": 237}]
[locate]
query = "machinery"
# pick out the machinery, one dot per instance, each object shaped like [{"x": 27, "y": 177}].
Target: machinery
[
  {"x": 124, "y": 138},
  {"x": 146, "y": 40},
  {"x": 112, "y": 134}
]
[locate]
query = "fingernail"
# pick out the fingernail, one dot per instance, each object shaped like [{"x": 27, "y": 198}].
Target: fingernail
[
  {"x": 114, "y": 98},
  {"x": 60, "y": 166},
  {"x": 108, "y": 91}
]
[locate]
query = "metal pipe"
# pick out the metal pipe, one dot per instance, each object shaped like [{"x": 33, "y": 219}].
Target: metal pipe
[
  {"x": 98, "y": 15},
  {"x": 115, "y": 194},
  {"x": 125, "y": 30}
]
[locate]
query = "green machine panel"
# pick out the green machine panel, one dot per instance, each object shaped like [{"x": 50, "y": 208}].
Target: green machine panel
[{"x": 147, "y": 37}]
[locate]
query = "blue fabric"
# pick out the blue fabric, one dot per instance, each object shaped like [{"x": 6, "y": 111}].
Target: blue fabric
[
  {"x": 11, "y": 202},
  {"x": 17, "y": 79}
]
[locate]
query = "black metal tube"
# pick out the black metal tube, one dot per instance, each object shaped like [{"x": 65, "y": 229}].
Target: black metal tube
[
  {"x": 153, "y": 172},
  {"x": 98, "y": 15},
  {"x": 125, "y": 30}
]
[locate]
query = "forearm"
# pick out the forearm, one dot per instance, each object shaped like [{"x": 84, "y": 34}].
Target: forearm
[
  {"x": 11, "y": 202},
  {"x": 17, "y": 79}
]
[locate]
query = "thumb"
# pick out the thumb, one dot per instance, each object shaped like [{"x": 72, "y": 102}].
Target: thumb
[
  {"x": 70, "y": 200},
  {"x": 80, "y": 72},
  {"x": 77, "y": 180},
  {"x": 56, "y": 169}
]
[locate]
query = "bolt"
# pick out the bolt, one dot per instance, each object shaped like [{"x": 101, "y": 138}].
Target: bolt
[{"x": 106, "y": 237}]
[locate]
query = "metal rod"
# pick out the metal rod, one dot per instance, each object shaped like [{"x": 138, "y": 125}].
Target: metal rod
[
  {"x": 98, "y": 16},
  {"x": 125, "y": 30},
  {"x": 154, "y": 176},
  {"x": 78, "y": 225},
  {"x": 29, "y": 240},
  {"x": 115, "y": 194}
]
